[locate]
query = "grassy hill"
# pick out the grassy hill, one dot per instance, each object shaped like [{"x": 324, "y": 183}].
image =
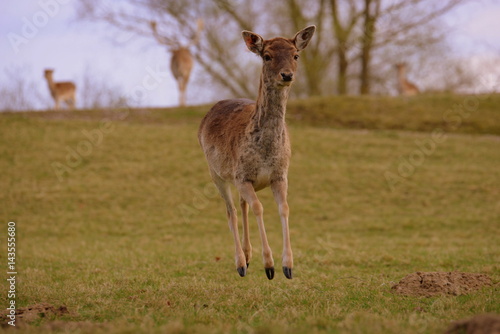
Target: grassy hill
[
  {"x": 474, "y": 114},
  {"x": 452, "y": 113},
  {"x": 117, "y": 219}
]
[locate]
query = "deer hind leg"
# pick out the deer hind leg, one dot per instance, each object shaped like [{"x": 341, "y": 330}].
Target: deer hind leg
[
  {"x": 280, "y": 195},
  {"x": 248, "y": 194},
  {"x": 71, "y": 102},
  {"x": 247, "y": 247},
  {"x": 225, "y": 192}
]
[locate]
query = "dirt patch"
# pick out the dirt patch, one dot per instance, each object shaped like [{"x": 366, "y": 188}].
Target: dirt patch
[
  {"x": 72, "y": 326},
  {"x": 479, "y": 324},
  {"x": 26, "y": 315},
  {"x": 430, "y": 284}
]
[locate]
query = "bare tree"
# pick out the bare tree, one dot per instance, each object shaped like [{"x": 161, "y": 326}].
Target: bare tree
[
  {"x": 357, "y": 40},
  {"x": 19, "y": 92},
  {"x": 321, "y": 51},
  {"x": 412, "y": 26},
  {"x": 95, "y": 91},
  {"x": 343, "y": 31},
  {"x": 371, "y": 12},
  {"x": 214, "y": 52}
]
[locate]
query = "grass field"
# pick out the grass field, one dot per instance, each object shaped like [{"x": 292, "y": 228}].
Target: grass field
[{"x": 117, "y": 219}]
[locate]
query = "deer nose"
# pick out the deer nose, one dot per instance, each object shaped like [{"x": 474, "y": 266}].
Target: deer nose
[{"x": 287, "y": 76}]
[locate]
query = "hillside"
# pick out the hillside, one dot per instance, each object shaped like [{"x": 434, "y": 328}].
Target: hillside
[
  {"x": 451, "y": 113},
  {"x": 120, "y": 230}
]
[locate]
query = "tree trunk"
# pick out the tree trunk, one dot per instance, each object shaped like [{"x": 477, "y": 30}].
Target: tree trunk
[
  {"x": 370, "y": 16},
  {"x": 315, "y": 60},
  {"x": 342, "y": 32},
  {"x": 342, "y": 70}
]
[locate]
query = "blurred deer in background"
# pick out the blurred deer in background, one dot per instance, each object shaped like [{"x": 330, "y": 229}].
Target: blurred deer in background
[
  {"x": 246, "y": 144},
  {"x": 405, "y": 87},
  {"x": 181, "y": 62},
  {"x": 61, "y": 91}
]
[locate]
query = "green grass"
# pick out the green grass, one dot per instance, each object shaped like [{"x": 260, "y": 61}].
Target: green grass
[
  {"x": 464, "y": 114},
  {"x": 133, "y": 238}
]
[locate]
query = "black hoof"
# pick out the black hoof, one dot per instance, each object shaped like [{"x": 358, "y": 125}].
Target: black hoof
[
  {"x": 242, "y": 271},
  {"x": 248, "y": 265},
  {"x": 288, "y": 272},
  {"x": 270, "y": 272}
]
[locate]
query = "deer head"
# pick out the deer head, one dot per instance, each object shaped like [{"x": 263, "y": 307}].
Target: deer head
[
  {"x": 48, "y": 73},
  {"x": 280, "y": 55},
  {"x": 400, "y": 66}
]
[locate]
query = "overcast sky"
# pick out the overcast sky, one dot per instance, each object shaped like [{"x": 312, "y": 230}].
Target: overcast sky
[{"x": 39, "y": 34}]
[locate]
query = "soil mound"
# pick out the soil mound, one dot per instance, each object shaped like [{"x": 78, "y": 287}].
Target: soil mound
[
  {"x": 430, "y": 284},
  {"x": 31, "y": 313},
  {"x": 479, "y": 324}
]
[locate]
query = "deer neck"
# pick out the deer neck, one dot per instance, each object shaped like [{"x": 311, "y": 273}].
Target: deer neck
[
  {"x": 402, "y": 75},
  {"x": 271, "y": 106},
  {"x": 51, "y": 84}
]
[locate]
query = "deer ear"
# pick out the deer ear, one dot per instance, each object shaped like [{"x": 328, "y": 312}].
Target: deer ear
[
  {"x": 303, "y": 37},
  {"x": 254, "y": 42}
]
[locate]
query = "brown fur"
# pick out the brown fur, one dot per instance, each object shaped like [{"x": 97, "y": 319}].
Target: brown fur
[
  {"x": 181, "y": 65},
  {"x": 61, "y": 91},
  {"x": 405, "y": 87},
  {"x": 246, "y": 144},
  {"x": 181, "y": 62}
]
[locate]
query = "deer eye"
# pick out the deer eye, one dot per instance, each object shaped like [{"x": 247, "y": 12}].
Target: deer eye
[
  {"x": 267, "y": 57},
  {"x": 296, "y": 57}
]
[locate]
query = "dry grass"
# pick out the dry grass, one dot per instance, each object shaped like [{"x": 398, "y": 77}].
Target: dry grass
[{"x": 133, "y": 238}]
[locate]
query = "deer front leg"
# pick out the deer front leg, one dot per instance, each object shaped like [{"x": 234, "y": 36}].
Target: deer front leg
[
  {"x": 241, "y": 263},
  {"x": 247, "y": 192},
  {"x": 72, "y": 103},
  {"x": 182, "y": 85},
  {"x": 279, "y": 189}
]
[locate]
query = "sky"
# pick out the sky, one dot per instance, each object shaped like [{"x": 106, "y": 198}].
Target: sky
[{"x": 39, "y": 34}]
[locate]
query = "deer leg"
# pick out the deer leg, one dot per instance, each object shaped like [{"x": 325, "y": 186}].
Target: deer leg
[
  {"x": 247, "y": 247},
  {"x": 232, "y": 218},
  {"x": 182, "y": 98},
  {"x": 57, "y": 104},
  {"x": 248, "y": 194},
  {"x": 280, "y": 194},
  {"x": 72, "y": 103},
  {"x": 182, "y": 91}
]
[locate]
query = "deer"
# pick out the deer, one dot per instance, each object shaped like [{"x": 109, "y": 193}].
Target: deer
[
  {"x": 246, "y": 144},
  {"x": 61, "y": 91},
  {"x": 181, "y": 62},
  {"x": 405, "y": 87}
]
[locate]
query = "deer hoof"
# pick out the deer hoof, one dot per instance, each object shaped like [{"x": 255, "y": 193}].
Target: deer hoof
[
  {"x": 270, "y": 273},
  {"x": 248, "y": 265},
  {"x": 242, "y": 271},
  {"x": 288, "y": 272}
]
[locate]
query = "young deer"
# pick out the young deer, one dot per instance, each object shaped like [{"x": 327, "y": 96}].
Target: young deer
[
  {"x": 181, "y": 62},
  {"x": 246, "y": 143},
  {"x": 61, "y": 91},
  {"x": 405, "y": 87}
]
